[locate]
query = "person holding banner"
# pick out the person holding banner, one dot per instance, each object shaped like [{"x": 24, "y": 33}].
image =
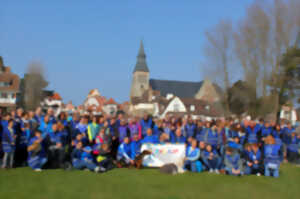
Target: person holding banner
[
  {"x": 192, "y": 155},
  {"x": 124, "y": 153}
]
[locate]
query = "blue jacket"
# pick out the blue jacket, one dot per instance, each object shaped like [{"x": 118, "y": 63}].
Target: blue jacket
[
  {"x": 229, "y": 134},
  {"x": 286, "y": 133},
  {"x": 8, "y": 140},
  {"x": 233, "y": 161},
  {"x": 252, "y": 134},
  {"x": 123, "y": 132},
  {"x": 25, "y": 137},
  {"x": 293, "y": 144},
  {"x": 31, "y": 154},
  {"x": 255, "y": 156},
  {"x": 135, "y": 149},
  {"x": 266, "y": 131},
  {"x": 124, "y": 151},
  {"x": 56, "y": 137},
  {"x": 178, "y": 140},
  {"x": 150, "y": 139},
  {"x": 192, "y": 154},
  {"x": 45, "y": 128},
  {"x": 190, "y": 130},
  {"x": 272, "y": 154},
  {"x": 146, "y": 124},
  {"x": 211, "y": 137}
]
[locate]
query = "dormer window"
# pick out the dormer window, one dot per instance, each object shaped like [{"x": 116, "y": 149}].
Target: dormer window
[{"x": 192, "y": 108}]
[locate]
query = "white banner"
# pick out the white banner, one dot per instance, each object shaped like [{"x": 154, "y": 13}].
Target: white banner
[{"x": 163, "y": 154}]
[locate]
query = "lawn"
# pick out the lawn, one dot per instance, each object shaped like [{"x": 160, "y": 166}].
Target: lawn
[{"x": 142, "y": 184}]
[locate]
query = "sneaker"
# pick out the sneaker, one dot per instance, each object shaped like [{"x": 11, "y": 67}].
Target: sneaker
[
  {"x": 217, "y": 171},
  {"x": 97, "y": 169},
  {"x": 211, "y": 170},
  {"x": 102, "y": 169},
  {"x": 37, "y": 170},
  {"x": 258, "y": 174}
]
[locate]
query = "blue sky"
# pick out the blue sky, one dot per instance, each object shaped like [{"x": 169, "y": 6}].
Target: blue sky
[{"x": 93, "y": 44}]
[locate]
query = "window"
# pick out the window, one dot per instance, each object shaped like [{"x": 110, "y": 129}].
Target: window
[
  {"x": 4, "y": 95},
  {"x": 207, "y": 107},
  {"x": 192, "y": 108}
]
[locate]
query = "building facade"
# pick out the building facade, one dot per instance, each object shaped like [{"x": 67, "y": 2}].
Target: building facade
[
  {"x": 161, "y": 97},
  {"x": 9, "y": 87}
]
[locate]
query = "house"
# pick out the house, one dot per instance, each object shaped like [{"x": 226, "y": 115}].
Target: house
[
  {"x": 9, "y": 87},
  {"x": 159, "y": 97},
  {"x": 99, "y": 105},
  {"x": 52, "y": 100}
]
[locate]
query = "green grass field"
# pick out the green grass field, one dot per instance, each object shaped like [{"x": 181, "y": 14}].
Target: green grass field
[{"x": 142, "y": 184}]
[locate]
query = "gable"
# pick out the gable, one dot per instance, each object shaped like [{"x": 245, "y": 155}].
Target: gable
[{"x": 208, "y": 92}]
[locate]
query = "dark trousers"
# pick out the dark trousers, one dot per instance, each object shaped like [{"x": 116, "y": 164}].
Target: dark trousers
[{"x": 56, "y": 157}]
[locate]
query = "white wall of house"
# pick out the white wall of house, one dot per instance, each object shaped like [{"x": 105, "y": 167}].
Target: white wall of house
[
  {"x": 91, "y": 101},
  {"x": 176, "y": 105},
  {"x": 7, "y": 97},
  {"x": 110, "y": 108}
]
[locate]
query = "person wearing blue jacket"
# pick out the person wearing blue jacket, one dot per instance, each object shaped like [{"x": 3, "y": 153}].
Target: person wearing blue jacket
[
  {"x": 252, "y": 132},
  {"x": 254, "y": 160},
  {"x": 146, "y": 123},
  {"x": 192, "y": 157},
  {"x": 266, "y": 129},
  {"x": 149, "y": 138},
  {"x": 272, "y": 157},
  {"x": 211, "y": 159},
  {"x": 124, "y": 152},
  {"x": 233, "y": 162},
  {"x": 190, "y": 128},
  {"x": 82, "y": 158},
  {"x": 178, "y": 138},
  {"x": 293, "y": 148},
  {"x": 211, "y": 137},
  {"x": 56, "y": 153},
  {"x": 45, "y": 126},
  {"x": 8, "y": 144},
  {"x": 36, "y": 153},
  {"x": 135, "y": 146}
]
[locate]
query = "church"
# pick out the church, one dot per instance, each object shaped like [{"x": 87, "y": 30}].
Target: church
[{"x": 170, "y": 97}]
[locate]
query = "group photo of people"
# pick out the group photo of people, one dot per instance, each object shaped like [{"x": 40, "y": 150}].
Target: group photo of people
[{"x": 100, "y": 143}]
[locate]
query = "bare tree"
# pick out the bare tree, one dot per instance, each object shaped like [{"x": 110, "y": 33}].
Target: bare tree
[{"x": 218, "y": 50}]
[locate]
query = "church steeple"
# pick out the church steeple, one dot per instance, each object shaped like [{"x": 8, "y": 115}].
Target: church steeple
[{"x": 141, "y": 64}]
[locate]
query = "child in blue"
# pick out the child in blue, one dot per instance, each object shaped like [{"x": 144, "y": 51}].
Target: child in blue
[
  {"x": 82, "y": 158},
  {"x": 124, "y": 152},
  {"x": 211, "y": 159},
  {"x": 192, "y": 156},
  {"x": 233, "y": 162},
  {"x": 36, "y": 154},
  {"x": 266, "y": 129},
  {"x": 8, "y": 144},
  {"x": 152, "y": 139},
  {"x": 254, "y": 160},
  {"x": 178, "y": 138},
  {"x": 272, "y": 157}
]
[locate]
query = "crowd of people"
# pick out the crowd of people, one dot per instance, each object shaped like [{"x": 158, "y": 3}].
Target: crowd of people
[{"x": 100, "y": 143}]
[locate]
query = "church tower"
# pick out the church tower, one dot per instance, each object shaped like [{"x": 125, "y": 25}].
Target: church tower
[{"x": 140, "y": 81}]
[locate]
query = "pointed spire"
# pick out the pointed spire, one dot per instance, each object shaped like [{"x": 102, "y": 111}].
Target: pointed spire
[{"x": 141, "y": 64}]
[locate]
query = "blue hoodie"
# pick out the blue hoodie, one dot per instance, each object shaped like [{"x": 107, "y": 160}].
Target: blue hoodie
[{"x": 192, "y": 154}]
